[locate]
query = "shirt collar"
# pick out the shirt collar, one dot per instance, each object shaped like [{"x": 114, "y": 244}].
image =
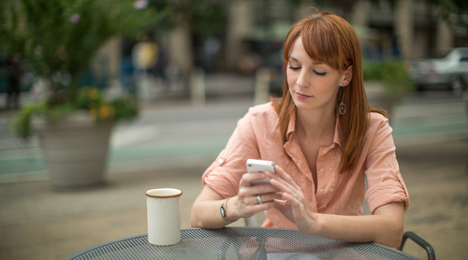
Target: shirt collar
[
  {"x": 336, "y": 137},
  {"x": 291, "y": 126},
  {"x": 292, "y": 129}
]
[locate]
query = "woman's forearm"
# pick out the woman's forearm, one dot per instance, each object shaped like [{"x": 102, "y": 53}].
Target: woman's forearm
[
  {"x": 206, "y": 210},
  {"x": 378, "y": 229},
  {"x": 385, "y": 227},
  {"x": 206, "y": 214}
]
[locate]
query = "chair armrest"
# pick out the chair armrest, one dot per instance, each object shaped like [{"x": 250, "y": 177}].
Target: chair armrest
[{"x": 421, "y": 242}]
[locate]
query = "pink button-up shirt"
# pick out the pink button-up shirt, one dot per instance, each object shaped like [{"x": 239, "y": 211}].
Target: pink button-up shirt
[{"x": 257, "y": 137}]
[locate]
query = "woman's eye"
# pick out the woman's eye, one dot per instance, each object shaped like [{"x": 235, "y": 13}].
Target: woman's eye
[
  {"x": 294, "y": 68},
  {"x": 320, "y": 73}
]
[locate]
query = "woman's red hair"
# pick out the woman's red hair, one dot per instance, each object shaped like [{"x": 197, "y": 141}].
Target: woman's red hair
[{"x": 328, "y": 38}]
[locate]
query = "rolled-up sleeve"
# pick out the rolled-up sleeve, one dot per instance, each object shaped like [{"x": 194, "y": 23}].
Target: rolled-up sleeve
[
  {"x": 224, "y": 174},
  {"x": 385, "y": 183}
]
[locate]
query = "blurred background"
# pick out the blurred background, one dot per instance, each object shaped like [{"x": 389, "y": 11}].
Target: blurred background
[{"x": 195, "y": 68}]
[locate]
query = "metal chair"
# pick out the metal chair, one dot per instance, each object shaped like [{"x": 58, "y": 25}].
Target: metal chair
[{"x": 421, "y": 242}]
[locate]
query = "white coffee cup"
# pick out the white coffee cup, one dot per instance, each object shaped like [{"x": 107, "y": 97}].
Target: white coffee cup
[{"x": 163, "y": 207}]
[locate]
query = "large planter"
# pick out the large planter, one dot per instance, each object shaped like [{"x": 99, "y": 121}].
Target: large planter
[{"x": 75, "y": 150}]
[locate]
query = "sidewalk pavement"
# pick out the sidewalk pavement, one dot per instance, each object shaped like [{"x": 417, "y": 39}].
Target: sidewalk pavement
[{"x": 39, "y": 223}]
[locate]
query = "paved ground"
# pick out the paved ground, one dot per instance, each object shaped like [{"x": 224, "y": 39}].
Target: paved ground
[{"x": 39, "y": 223}]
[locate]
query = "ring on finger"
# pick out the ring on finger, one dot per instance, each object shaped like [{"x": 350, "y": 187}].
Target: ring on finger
[{"x": 259, "y": 199}]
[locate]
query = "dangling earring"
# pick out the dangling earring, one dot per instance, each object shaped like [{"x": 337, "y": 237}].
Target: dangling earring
[{"x": 342, "y": 106}]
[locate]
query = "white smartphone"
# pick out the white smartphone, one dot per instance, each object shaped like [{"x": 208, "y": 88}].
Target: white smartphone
[{"x": 254, "y": 165}]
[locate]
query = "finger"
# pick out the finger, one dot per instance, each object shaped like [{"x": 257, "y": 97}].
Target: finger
[
  {"x": 281, "y": 172},
  {"x": 254, "y": 209},
  {"x": 299, "y": 209},
  {"x": 282, "y": 176},
  {"x": 284, "y": 186},
  {"x": 247, "y": 178},
  {"x": 285, "y": 178},
  {"x": 277, "y": 178},
  {"x": 264, "y": 198},
  {"x": 292, "y": 197},
  {"x": 280, "y": 202},
  {"x": 249, "y": 193}
]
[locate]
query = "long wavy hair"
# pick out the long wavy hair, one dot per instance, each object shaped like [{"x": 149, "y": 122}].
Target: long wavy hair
[{"x": 330, "y": 39}]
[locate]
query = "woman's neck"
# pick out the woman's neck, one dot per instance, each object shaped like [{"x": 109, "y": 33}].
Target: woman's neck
[{"x": 315, "y": 125}]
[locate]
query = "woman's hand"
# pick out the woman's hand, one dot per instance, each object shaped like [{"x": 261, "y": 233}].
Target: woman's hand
[
  {"x": 292, "y": 204},
  {"x": 206, "y": 208},
  {"x": 252, "y": 199}
]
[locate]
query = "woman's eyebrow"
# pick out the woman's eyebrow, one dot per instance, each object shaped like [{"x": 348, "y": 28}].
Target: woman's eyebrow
[{"x": 315, "y": 62}]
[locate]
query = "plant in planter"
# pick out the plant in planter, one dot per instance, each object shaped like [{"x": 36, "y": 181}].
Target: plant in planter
[
  {"x": 89, "y": 102},
  {"x": 386, "y": 83},
  {"x": 74, "y": 136},
  {"x": 58, "y": 39}
]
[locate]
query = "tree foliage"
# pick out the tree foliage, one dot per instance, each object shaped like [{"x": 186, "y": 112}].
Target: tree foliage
[
  {"x": 203, "y": 18},
  {"x": 59, "y": 38}
]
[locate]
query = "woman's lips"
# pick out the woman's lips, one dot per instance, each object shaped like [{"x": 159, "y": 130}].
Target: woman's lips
[{"x": 302, "y": 96}]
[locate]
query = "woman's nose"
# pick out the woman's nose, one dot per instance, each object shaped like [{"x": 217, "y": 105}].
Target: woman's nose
[{"x": 303, "y": 79}]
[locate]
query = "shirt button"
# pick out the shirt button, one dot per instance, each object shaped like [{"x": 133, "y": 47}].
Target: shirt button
[
  {"x": 324, "y": 206},
  {"x": 331, "y": 189},
  {"x": 321, "y": 190},
  {"x": 324, "y": 151},
  {"x": 220, "y": 160},
  {"x": 331, "y": 169},
  {"x": 399, "y": 175},
  {"x": 322, "y": 170}
]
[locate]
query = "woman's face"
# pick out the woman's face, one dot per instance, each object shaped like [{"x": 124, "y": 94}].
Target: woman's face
[{"x": 313, "y": 85}]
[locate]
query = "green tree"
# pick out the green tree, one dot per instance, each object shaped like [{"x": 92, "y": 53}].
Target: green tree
[
  {"x": 457, "y": 8},
  {"x": 59, "y": 38},
  {"x": 199, "y": 20},
  {"x": 205, "y": 18}
]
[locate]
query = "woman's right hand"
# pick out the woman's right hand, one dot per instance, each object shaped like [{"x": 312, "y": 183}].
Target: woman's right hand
[
  {"x": 246, "y": 203},
  {"x": 206, "y": 208}
]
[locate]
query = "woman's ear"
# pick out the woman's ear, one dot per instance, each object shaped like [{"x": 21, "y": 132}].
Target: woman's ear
[{"x": 347, "y": 76}]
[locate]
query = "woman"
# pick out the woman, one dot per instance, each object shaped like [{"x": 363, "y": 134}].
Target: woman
[{"x": 324, "y": 140}]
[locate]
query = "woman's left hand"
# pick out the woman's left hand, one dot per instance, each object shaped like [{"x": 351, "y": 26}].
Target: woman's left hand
[{"x": 293, "y": 205}]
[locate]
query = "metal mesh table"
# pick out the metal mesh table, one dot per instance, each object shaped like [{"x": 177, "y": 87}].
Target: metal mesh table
[{"x": 241, "y": 243}]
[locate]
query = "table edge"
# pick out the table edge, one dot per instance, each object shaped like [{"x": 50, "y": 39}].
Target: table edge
[{"x": 250, "y": 228}]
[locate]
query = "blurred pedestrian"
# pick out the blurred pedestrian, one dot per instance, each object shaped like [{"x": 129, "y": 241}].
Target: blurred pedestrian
[
  {"x": 210, "y": 49},
  {"x": 144, "y": 55},
  {"x": 160, "y": 67},
  {"x": 14, "y": 75},
  {"x": 325, "y": 141},
  {"x": 127, "y": 75}
]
